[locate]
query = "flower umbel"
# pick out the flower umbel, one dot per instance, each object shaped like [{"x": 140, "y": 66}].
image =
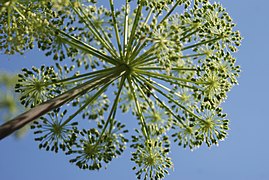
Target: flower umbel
[
  {"x": 212, "y": 127},
  {"x": 151, "y": 156},
  {"x": 95, "y": 148},
  {"x": 54, "y": 133},
  {"x": 168, "y": 62}
]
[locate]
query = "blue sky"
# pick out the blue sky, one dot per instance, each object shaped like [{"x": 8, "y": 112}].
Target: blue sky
[{"x": 242, "y": 156}]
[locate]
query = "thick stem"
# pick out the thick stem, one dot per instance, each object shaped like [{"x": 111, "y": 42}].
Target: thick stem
[{"x": 45, "y": 107}]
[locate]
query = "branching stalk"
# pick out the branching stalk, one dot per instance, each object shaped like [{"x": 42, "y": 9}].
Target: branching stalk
[{"x": 45, "y": 107}]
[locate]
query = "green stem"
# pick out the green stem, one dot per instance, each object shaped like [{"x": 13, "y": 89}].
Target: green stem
[
  {"x": 143, "y": 56},
  {"x": 188, "y": 35},
  {"x": 150, "y": 61},
  {"x": 18, "y": 11},
  {"x": 144, "y": 59},
  {"x": 157, "y": 75},
  {"x": 139, "y": 112},
  {"x": 162, "y": 68},
  {"x": 135, "y": 24},
  {"x": 107, "y": 38},
  {"x": 8, "y": 20},
  {"x": 116, "y": 26},
  {"x": 140, "y": 45},
  {"x": 95, "y": 32},
  {"x": 176, "y": 82},
  {"x": 148, "y": 16},
  {"x": 83, "y": 76},
  {"x": 201, "y": 43},
  {"x": 74, "y": 42},
  {"x": 126, "y": 26},
  {"x": 159, "y": 100},
  {"x": 112, "y": 119},
  {"x": 193, "y": 55},
  {"x": 171, "y": 10},
  {"x": 147, "y": 61},
  {"x": 143, "y": 94},
  {"x": 86, "y": 104},
  {"x": 136, "y": 51},
  {"x": 169, "y": 97},
  {"x": 113, "y": 110},
  {"x": 147, "y": 54}
]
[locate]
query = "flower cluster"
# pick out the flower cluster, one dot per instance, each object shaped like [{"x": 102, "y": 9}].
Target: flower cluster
[
  {"x": 94, "y": 148},
  {"x": 157, "y": 116},
  {"x": 151, "y": 155},
  {"x": 54, "y": 132},
  {"x": 213, "y": 127},
  {"x": 168, "y": 62},
  {"x": 18, "y": 33},
  {"x": 210, "y": 127},
  {"x": 34, "y": 85},
  {"x": 37, "y": 85}
]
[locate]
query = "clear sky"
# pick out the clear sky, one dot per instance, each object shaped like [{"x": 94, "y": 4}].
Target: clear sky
[{"x": 242, "y": 156}]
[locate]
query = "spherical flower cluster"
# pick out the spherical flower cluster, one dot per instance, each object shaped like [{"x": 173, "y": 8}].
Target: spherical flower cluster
[
  {"x": 54, "y": 132},
  {"x": 209, "y": 127},
  {"x": 212, "y": 128},
  {"x": 151, "y": 156},
  {"x": 35, "y": 85},
  {"x": 186, "y": 134},
  {"x": 94, "y": 148}
]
